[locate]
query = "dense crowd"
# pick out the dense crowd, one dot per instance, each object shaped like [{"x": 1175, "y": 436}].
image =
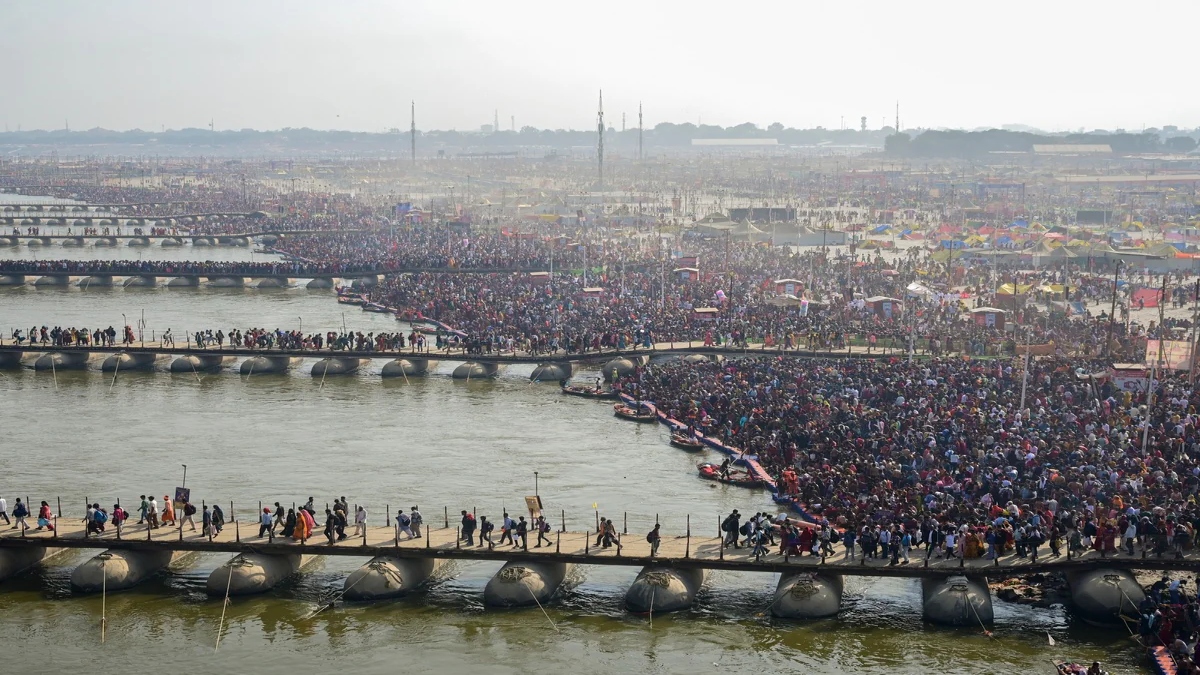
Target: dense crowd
[
  {"x": 893, "y": 453},
  {"x": 292, "y": 268}
]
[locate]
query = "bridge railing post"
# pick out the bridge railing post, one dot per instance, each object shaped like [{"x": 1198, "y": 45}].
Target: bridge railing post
[
  {"x": 56, "y": 515},
  {"x": 446, "y": 516}
]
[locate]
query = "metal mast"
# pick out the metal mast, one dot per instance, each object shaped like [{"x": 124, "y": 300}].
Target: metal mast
[
  {"x": 639, "y": 129},
  {"x": 412, "y": 132},
  {"x": 600, "y": 146}
]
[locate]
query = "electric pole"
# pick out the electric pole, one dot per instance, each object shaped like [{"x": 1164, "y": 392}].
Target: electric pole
[
  {"x": 639, "y": 130},
  {"x": 412, "y": 132},
  {"x": 600, "y": 146}
]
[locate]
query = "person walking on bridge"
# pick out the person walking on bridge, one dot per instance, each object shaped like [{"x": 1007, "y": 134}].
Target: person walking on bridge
[
  {"x": 189, "y": 510},
  {"x": 543, "y": 528},
  {"x": 4, "y": 511},
  {"x": 403, "y": 525},
  {"x": 416, "y": 520},
  {"x": 522, "y": 534},
  {"x": 730, "y": 526},
  {"x": 20, "y": 513},
  {"x": 360, "y": 522},
  {"x": 152, "y": 514},
  {"x": 331, "y": 521},
  {"x": 143, "y": 509},
  {"x": 119, "y": 516},
  {"x": 654, "y": 537},
  {"x": 468, "y": 528},
  {"x": 485, "y": 532},
  {"x": 280, "y": 517},
  {"x": 168, "y": 513},
  {"x": 267, "y": 525},
  {"x": 46, "y": 518},
  {"x": 506, "y": 529}
]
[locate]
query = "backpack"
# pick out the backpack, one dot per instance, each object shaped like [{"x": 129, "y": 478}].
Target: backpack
[
  {"x": 545, "y": 526},
  {"x": 728, "y": 524},
  {"x": 189, "y": 509},
  {"x": 745, "y": 528},
  {"x": 650, "y": 536},
  {"x": 101, "y": 517},
  {"x": 403, "y": 519},
  {"x": 20, "y": 511}
]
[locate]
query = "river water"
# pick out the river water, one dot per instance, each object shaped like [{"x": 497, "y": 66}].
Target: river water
[{"x": 431, "y": 441}]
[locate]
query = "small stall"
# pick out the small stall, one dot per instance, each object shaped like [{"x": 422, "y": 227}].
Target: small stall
[
  {"x": 884, "y": 307},
  {"x": 991, "y": 317},
  {"x": 789, "y": 287},
  {"x": 539, "y": 278},
  {"x": 686, "y": 273}
]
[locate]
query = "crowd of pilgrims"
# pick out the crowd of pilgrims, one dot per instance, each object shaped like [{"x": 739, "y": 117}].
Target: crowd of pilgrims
[
  {"x": 888, "y": 455},
  {"x": 293, "y": 268},
  {"x": 262, "y": 338}
]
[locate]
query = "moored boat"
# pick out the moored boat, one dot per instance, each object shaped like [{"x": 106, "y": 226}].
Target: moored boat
[
  {"x": 643, "y": 412},
  {"x": 588, "y": 392},
  {"x": 740, "y": 478},
  {"x": 375, "y": 307},
  {"x": 686, "y": 442}
]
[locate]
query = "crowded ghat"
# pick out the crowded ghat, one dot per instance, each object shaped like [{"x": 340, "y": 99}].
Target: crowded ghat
[{"x": 1017, "y": 404}]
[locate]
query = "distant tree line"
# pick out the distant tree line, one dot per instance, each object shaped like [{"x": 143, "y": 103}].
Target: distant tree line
[
  {"x": 973, "y": 144},
  {"x": 933, "y": 143},
  {"x": 661, "y": 135}
]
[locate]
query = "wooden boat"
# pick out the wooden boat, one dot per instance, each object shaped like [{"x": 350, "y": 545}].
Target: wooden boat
[
  {"x": 644, "y": 412},
  {"x": 375, "y": 307},
  {"x": 686, "y": 442},
  {"x": 586, "y": 392},
  {"x": 740, "y": 478},
  {"x": 351, "y": 300}
]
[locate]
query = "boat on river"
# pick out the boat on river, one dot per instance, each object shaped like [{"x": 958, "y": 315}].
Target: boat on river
[
  {"x": 348, "y": 299},
  {"x": 639, "y": 412},
  {"x": 685, "y": 442},
  {"x": 741, "y": 478},
  {"x": 589, "y": 392},
  {"x": 375, "y": 307}
]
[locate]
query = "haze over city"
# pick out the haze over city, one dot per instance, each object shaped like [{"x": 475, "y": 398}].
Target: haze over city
[{"x": 357, "y": 65}]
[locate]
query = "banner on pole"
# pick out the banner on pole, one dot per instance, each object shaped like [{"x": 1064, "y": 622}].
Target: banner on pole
[{"x": 1176, "y": 354}]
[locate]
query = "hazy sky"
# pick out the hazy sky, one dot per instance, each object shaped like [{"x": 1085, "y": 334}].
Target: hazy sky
[{"x": 351, "y": 64}]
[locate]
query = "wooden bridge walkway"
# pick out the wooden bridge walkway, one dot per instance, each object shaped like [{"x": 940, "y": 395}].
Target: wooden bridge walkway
[{"x": 678, "y": 549}]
